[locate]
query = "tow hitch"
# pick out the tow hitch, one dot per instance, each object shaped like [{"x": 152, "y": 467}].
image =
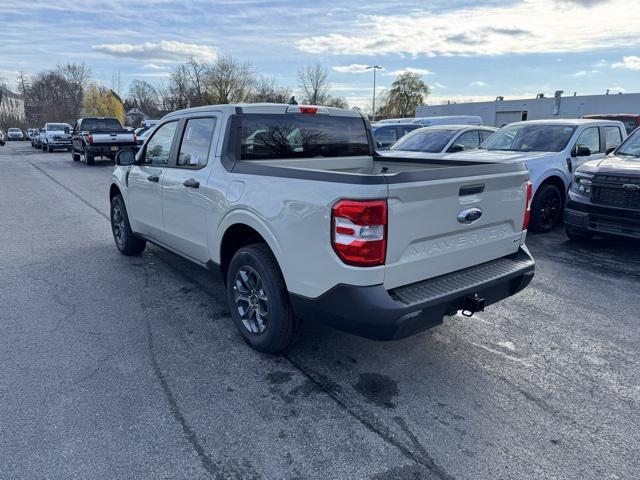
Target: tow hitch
[{"x": 472, "y": 305}]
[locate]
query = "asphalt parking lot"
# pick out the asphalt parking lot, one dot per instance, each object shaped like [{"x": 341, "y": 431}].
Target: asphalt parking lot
[{"x": 116, "y": 367}]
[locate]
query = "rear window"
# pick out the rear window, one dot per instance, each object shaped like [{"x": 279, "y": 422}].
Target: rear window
[
  {"x": 277, "y": 136},
  {"x": 428, "y": 140},
  {"x": 101, "y": 124}
]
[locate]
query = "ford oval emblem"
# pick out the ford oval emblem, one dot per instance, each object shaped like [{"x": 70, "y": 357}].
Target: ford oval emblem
[
  {"x": 631, "y": 187},
  {"x": 469, "y": 215}
]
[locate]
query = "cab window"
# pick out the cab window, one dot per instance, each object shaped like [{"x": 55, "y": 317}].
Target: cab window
[
  {"x": 158, "y": 147},
  {"x": 590, "y": 138},
  {"x": 612, "y": 137},
  {"x": 196, "y": 141},
  {"x": 469, "y": 140}
]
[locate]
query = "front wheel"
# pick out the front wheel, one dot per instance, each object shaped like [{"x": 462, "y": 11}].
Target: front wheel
[
  {"x": 44, "y": 147},
  {"x": 75, "y": 156},
  {"x": 546, "y": 209},
  {"x": 259, "y": 300},
  {"x": 125, "y": 239},
  {"x": 89, "y": 158}
]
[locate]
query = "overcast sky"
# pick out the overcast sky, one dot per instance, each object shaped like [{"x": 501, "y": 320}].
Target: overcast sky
[{"x": 464, "y": 49}]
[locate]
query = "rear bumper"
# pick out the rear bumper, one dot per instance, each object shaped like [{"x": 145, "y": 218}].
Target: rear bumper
[
  {"x": 376, "y": 313},
  {"x": 602, "y": 220},
  {"x": 109, "y": 148},
  {"x": 59, "y": 143}
]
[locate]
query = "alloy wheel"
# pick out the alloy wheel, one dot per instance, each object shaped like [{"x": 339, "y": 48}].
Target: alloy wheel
[{"x": 251, "y": 300}]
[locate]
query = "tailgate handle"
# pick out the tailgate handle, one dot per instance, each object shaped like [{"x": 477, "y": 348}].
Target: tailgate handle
[{"x": 471, "y": 189}]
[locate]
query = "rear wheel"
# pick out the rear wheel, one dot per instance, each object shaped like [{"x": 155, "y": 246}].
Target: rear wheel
[
  {"x": 89, "y": 158},
  {"x": 75, "y": 156},
  {"x": 546, "y": 209},
  {"x": 45, "y": 147},
  {"x": 125, "y": 239},
  {"x": 259, "y": 300}
]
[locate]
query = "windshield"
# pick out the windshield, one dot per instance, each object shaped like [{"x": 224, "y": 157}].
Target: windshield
[
  {"x": 58, "y": 127},
  {"x": 273, "y": 136},
  {"x": 430, "y": 141},
  {"x": 630, "y": 147},
  {"x": 14, "y": 130},
  {"x": 531, "y": 138},
  {"x": 101, "y": 124}
]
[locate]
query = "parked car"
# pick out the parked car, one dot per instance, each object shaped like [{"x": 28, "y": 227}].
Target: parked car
[
  {"x": 56, "y": 136},
  {"x": 394, "y": 120},
  {"x": 438, "y": 141},
  {"x": 36, "y": 141},
  {"x": 631, "y": 121},
  {"x": 100, "y": 136},
  {"x": 31, "y": 132},
  {"x": 604, "y": 198},
  {"x": 448, "y": 120},
  {"x": 552, "y": 150},
  {"x": 15, "y": 134},
  {"x": 389, "y": 133},
  {"x": 306, "y": 221}
]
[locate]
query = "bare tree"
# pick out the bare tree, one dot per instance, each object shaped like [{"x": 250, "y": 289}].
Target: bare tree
[
  {"x": 313, "y": 80},
  {"x": 144, "y": 96},
  {"x": 338, "y": 102},
  {"x": 77, "y": 77},
  {"x": 116, "y": 83},
  {"x": 229, "y": 80},
  {"x": 197, "y": 74},
  {"x": 180, "y": 88},
  {"x": 266, "y": 90}
]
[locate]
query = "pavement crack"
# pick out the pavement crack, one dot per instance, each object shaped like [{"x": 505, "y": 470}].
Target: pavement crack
[{"x": 416, "y": 453}]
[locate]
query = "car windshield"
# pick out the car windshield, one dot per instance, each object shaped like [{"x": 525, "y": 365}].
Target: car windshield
[
  {"x": 430, "y": 141},
  {"x": 273, "y": 136},
  {"x": 101, "y": 124},
  {"x": 630, "y": 147},
  {"x": 531, "y": 138},
  {"x": 14, "y": 130},
  {"x": 58, "y": 127}
]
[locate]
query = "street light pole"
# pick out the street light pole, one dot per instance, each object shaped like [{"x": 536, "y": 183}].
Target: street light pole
[{"x": 374, "y": 68}]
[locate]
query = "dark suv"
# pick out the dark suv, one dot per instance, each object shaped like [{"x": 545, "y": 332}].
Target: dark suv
[{"x": 604, "y": 198}]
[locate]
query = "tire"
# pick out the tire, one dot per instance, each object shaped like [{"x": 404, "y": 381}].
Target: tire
[
  {"x": 577, "y": 234},
  {"x": 75, "y": 156},
  {"x": 44, "y": 147},
  {"x": 126, "y": 241},
  {"x": 546, "y": 209},
  {"x": 254, "y": 272},
  {"x": 89, "y": 158}
]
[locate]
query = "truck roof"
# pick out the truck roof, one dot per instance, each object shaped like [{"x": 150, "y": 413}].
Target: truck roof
[
  {"x": 565, "y": 121},
  {"x": 277, "y": 108}
]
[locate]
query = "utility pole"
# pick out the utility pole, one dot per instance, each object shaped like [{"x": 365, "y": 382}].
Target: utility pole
[{"x": 374, "y": 68}]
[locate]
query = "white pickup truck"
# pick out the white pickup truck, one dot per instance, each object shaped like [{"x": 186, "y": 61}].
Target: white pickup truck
[
  {"x": 551, "y": 150},
  {"x": 306, "y": 221}
]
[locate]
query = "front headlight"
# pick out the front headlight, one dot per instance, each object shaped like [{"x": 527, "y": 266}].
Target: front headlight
[{"x": 582, "y": 184}]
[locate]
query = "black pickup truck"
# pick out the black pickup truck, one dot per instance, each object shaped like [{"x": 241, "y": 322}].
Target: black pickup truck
[
  {"x": 604, "y": 198},
  {"x": 100, "y": 136}
]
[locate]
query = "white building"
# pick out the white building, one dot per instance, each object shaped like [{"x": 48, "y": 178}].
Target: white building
[
  {"x": 500, "y": 111},
  {"x": 11, "y": 105}
]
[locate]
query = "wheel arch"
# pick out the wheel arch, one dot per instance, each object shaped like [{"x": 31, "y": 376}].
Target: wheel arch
[
  {"x": 556, "y": 180},
  {"x": 113, "y": 191}
]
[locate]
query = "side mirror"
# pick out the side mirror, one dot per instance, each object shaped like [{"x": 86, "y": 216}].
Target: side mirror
[
  {"x": 582, "y": 151},
  {"x": 611, "y": 149},
  {"x": 124, "y": 158},
  {"x": 456, "y": 148}
]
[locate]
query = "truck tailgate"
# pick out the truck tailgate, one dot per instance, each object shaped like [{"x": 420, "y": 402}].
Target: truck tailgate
[
  {"x": 112, "y": 138},
  {"x": 426, "y": 237}
]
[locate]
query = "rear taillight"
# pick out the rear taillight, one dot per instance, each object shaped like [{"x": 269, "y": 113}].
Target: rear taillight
[
  {"x": 527, "y": 208},
  {"x": 359, "y": 232},
  {"x": 90, "y": 139}
]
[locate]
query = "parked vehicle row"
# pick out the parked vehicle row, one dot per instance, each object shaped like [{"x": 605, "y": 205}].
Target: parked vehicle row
[
  {"x": 305, "y": 219},
  {"x": 100, "y": 136}
]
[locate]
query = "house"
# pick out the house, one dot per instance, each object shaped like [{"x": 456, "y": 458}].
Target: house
[
  {"x": 11, "y": 105},
  {"x": 135, "y": 117}
]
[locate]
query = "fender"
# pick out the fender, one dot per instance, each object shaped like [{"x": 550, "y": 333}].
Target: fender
[
  {"x": 244, "y": 216},
  {"x": 555, "y": 172}
]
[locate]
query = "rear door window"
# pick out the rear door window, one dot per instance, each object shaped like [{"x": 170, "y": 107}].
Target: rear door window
[
  {"x": 612, "y": 137},
  {"x": 196, "y": 141},
  {"x": 281, "y": 136},
  {"x": 469, "y": 140}
]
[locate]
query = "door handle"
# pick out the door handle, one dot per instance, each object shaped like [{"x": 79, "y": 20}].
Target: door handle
[
  {"x": 191, "y": 183},
  {"x": 153, "y": 178}
]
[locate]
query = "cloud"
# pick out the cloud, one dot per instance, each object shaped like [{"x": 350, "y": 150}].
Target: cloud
[
  {"x": 419, "y": 71},
  {"x": 164, "y": 50},
  {"x": 153, "y": 66},
  {"x": 584, "y": 73},
  {"x": 437, "y": 85},
  {"x": 478, "y": 83},
  {"x": 353, "y": 68},
  {"x": 523, "y": 27},
  {"x": 583, "y": 3},
  {"x": 616, "y": 89},
  {"x": 628, "y": 63}
]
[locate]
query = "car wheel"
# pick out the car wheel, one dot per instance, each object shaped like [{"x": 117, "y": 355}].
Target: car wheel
[
  {"x": 577, "y": 234},
  {"x": 259, "y": 300},
  {"x": 44, "y": 147},
  {"x": 75, "y": 156},
  {"x": 126, "y": 241},
  {"x": 89, "y": 158},
  {"x": 546, "y": 209}
]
